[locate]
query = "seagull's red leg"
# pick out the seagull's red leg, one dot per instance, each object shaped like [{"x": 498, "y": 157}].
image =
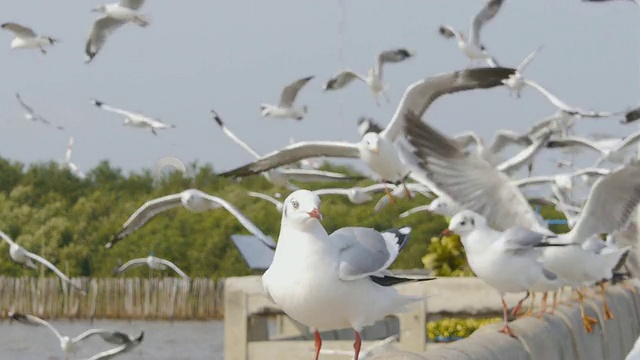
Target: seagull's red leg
[
  {"x": 543, "y": 305},
  {"x": 505, "y": 315},
  {"x": 391, "y": 198},
  {"x": 529, "y": 311},
  {"x": 318, "y": 342},
  {"x": 554, "y": 304},
  {"x": 608, "y": 315},
  {"x": 516, "y": 309},
  {"x": 356, "y": 345},
  {"x": 407, "y": 193}
]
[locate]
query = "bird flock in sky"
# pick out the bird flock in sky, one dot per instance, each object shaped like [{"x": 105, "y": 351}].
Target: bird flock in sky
[{"x": 324, "y": 280}]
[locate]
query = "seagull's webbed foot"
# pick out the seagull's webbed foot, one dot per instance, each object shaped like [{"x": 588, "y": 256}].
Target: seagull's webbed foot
[
  {"x": 587, "y": 321},
  {"x": 608, "y": 315}
]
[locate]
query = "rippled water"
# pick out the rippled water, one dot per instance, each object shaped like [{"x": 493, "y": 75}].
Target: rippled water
[{"x": 180, "y": 340}]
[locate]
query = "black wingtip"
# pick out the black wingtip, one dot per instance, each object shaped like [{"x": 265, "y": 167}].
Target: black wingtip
[
  {"x": 97, "y": 102},
  {"x": 390, "y": 280},
  {"x": 217, "y": 118}
]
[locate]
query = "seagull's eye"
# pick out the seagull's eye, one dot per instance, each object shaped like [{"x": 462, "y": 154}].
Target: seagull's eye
[
  {"x": 473, "y": 223},
  {"x": 463, "y": 222},
  {"x": 294, "y": 203}
]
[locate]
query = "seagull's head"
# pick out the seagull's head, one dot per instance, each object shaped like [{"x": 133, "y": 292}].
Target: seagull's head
[
  {"x": 370, "y": 143},
  {"x": 301, "y": 207},
  {"x": 99, "y": 8},
  {"x": 464, "y": 223}
]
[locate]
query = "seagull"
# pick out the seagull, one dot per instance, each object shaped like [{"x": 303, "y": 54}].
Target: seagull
[
  {"x": 266, "y": 197},
  {"x": 193, "y": 200},
  {"x": 285, "y": 108},
  {"x": 637, "y": 2},
  {"x": 374, "y": 77},
  {"x": 614, "y": 150},
  {"x": 441, "y": 206},
  {"x": 506, "y": 261},
  {"x": 22, "y": 256},
  {"x": 134, "y": 119},
  {"x": 128, "y": 344},
  {"x": 516, "y": 81},
  {"x": 564, "y": 181},
  {"x": 473, "y": 47},
  {"x": 170, "y": 161},
  {"x": 115, "y": 15},
  {"x": 357, "y": 195},
  {"x": 568, "y": 109},
  {"x": 324, "y": 281},
  {"x": 25, "y": 38},
  {"x": 73, "y": 168},
  {"x": 70, "y": 345},
  {"x": 377, "y": 150},
  {"x": 32, "y": 115},
  {"x": 367, "y": 125},
  {"x": 153, "y": 262},
  {"x": 281, "y": 176}
]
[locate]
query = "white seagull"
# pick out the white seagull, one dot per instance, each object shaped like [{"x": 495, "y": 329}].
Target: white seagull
[
  {"x": 22, "y": 256},
  {"x": 115, "y": 15},
  {"x": 134, "y": 119},
  {"x": 168, "y": 161},
  {"x": 613, "y": 150},
  {"x": 68, "y": 164},
  {"x": 70, "y": 345},
  {"x": 378, "y": 150},
  {"x": 334, "y": 281},
  {"x": 31, "y": 115},
  {"x": 281, "y": 176},
  {"x": 374, "y": 77},
  {"x": 25, "y": 38},
  {"x": 153, "y": 262},
  {"x": 473, "y": 47},
  {"x": 285, "y": 108},
  {"x": 516, "y": 82},
  {"x": 193, "y": 200},
  {"x": 506, "y": 261}
]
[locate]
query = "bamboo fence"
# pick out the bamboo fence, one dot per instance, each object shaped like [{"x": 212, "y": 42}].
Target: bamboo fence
[{"x": 113, "y": 298}]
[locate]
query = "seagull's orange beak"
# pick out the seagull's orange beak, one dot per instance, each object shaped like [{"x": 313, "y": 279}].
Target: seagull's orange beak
[
  {"x": 375, "y": 151},
  {"x": 315, "y": 214},
  {"x": 446, "y": 232}
]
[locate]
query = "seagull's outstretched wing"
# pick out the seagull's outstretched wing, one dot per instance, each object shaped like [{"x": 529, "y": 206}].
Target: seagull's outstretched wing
[
  {"x": 574, "y": 141},
  {"x": 449, "y": 32},
  {"x": 525, "y": 156},
  {"x": 128, "y": 346},
  {"x": 32, "y": 320},
  {"x": 391, "y": 56},
  {"x": 528, "y": 59},
  {"x": 28, "y": 108},
  {"x": 468, "y": 180},
  {"x": 297, "y": 152},
  {"x": 421, "y": 94},
  {"x": 233, "y": 136},
  {"x": 502, "y": 138},
  {"x": 289, "y": 93},
  {"x": 148, "y": 210},
  {"x": 250, "y": 226},
  {"x": 311, "y": 175},
  {"x": 342, "y": 79},
  {"x": 60, "y": 274},
  {"x": 612, "y": 201},
  {"x": 174, "y": 267},
  {"x": 98, "y": 34},
  {"x": 130, "y": 264},
  {"x": 266, "y": 197},
  {"x": 485, "y": 15},
  {"x": 132, "y": 4},
  {"x": 19, "y": 30}
]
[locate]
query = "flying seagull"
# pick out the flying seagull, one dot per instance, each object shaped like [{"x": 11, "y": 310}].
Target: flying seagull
[
  {"x": 25, "y": 38},
  {"x": 473, "y": 47},
  {"x": 281, "y": 176},
  {"x": 134, "y": 119},
  {"x": 516, "y": 82},
  {"x": 615, "y": 150},
  {"x": 153, "y": 262},
  {"x": 31, "y": 115},
  {"x": 378, "y": 150},
  {"x": 70, "y": 345},
  {"x": 22, "y": 256},
  {"x": 114, "y": 16},
  {"x": 285, "y": 108},
  {"x": 73, "y": 168},
  {"x": 374, "y": 77},
  {"x": 168, "y": 161},
  {"x": 193, "y": 200}
]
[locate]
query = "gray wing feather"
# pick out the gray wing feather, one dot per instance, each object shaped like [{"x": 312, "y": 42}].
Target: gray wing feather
[
  {"x": 525, "y": 156},
  {"x": 19, "y": 30},
  {"x": 132, "y": 4},
  {"x": 289, "y": 93},
  {"x": 147, "y": 211},
  {"x": 363, "y": 252},
  {"x": 98, "y": 34},
  {"x": 297, "y": 152},
  {"x": 518, "y": 238},
  {"x": 485, "y": 15},
  {"x": 421, "y": 94}
]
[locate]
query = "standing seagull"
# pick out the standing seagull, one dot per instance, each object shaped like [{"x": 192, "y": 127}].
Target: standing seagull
[
  {"x": 115, "y": 15},
  {"x": 153, "y": 262},
  {"x": 285, "y": 108},
  {"x": 25, "y": 38},
  {"x": 70, "y": 345},
  {"x": 334, "y": 281},
  {"x": 22, "y": 256},
  {"x": 378, "y": 150},
  {"x": 192, "y": 199},
  {"x": 32, "y": 115},
  {"x": 134, "y": 119},
  {"x": 374, "y": 76},
  {"x": 473, "y": 48}
]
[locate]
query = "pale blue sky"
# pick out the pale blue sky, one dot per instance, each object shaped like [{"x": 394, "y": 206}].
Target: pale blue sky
[{"x": 235, "y": 55}]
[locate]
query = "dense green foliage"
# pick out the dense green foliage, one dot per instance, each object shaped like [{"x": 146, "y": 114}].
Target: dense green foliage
[
  {"x": 52, "y": 213},
  {"x": 449, "y": 329},
  {"x": 68, "y": 220}
]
